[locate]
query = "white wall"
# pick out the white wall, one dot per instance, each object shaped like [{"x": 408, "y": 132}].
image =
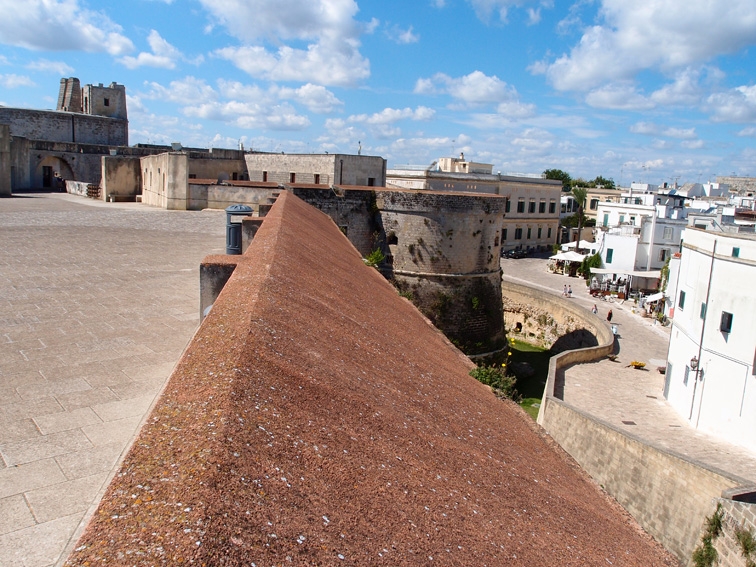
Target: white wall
[{"x": 722, "y": 400}]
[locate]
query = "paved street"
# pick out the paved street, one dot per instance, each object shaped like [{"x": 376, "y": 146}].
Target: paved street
[
  {"x": 97, "y": 302},
  {"x": 630, "y": 399}
]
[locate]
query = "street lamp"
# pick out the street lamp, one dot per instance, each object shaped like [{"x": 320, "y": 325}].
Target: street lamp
[{"x": 694, "y": 364}]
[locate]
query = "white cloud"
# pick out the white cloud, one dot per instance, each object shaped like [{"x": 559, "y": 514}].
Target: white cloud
[
  {"x": 392, "y": 115},
  {"x": 328, "y": 27},
  {"x": 534, "y": 16},
  {"x": 67, "y": 25},
  {"x": 661, "y": 35},
  {"x": 749, "y": 131},
  {"x": 534, "y": 141},
  {"x": 186, "y": 91},
  {"x": 477, "y": 88},
  {"x": 692, "y": 144},
  {"x": 735, "y": 105},
  {"x": 245, "y": 106},
  {"x": 164, "y": 55},
  {"x": 314, "y": 97},
  {"x": 398, "y": 35},
  {"x": 14, "y": 81},
  {"x": 485, "y": 8},
  {"x": 4, "y": 60},
  {"x": 684, "y": 90},
  {"x": 618, "y": 96},
  {"x": 46, "y": 66}
]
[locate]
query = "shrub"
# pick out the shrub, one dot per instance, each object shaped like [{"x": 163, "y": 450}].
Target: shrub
[
  {"x": 375, "y": 258},
  {"x": 502, "y": 383}
]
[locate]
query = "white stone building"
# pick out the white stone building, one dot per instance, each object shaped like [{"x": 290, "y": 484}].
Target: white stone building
[{"x": 710, "y": 378}]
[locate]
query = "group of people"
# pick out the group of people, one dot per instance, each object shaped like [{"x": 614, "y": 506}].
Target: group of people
[{"x": 567, "y": 291}]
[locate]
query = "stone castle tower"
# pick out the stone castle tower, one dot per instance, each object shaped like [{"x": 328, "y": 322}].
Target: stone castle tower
[{"x": 96, "y": 100}]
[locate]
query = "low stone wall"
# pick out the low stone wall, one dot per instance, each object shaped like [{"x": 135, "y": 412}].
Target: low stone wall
[{"x": 545, "y": 318}]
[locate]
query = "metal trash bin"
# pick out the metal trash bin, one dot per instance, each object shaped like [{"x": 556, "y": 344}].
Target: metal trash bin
[{"x": 234, "y": 228}]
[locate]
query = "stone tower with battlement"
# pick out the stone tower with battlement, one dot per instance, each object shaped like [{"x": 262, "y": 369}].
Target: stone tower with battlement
[
  {"x": 95, "y": 100},
  {"x": 69, "y": 97}
]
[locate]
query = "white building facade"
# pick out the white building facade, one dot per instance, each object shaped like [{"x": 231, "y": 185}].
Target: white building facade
[{"x": 710, "y": 378}]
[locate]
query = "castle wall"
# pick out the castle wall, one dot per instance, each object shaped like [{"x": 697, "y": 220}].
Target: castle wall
[
  {"x": 54, "y": 126},
  {"x": 165, "y": 180},
  {"x": 323, "y": 169},
  {"x": 5, "y": 161},
  {"x": 121, "y": 178}
]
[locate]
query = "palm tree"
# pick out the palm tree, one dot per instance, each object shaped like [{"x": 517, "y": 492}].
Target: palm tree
[{"x": 580, "y": 194}]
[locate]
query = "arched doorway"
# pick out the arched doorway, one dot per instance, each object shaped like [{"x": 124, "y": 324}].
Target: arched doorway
[{"x": 45, "y": 173}]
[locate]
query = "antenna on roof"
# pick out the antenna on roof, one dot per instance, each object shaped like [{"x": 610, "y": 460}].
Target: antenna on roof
[{"x": 359, "y": 148}]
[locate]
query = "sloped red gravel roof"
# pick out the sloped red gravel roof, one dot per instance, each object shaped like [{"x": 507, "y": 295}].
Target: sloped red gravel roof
[{"x": 317, "y": 418}]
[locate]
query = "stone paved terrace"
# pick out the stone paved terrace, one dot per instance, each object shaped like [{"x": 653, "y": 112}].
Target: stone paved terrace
[
  {"x": 617, "y": 394},
  {"x": 97, "y": 302}
]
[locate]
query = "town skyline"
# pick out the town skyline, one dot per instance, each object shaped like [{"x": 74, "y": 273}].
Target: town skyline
[{"x": 649, "y": 93}]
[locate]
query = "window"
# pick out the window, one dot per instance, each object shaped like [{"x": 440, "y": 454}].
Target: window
[
  {"x": 507, "y": 205},
  {"x": 552, "y": 206},
  {"x": 681, "y": 301},
  {"x": 371, "y": 181},
  {"x": 521, "y": 206},
  {"x": 292, "y": 178},
  {"x": 594, "y": 204},
  {"x": 606, "y": 219},
  {"x": 518, "y": 234},
  {"x": 531, "y": 207},
  {"x": 234, "y": 176},
  {"x": 667, "y": 233},
  {"x": 504, "y": 235},
  {"x": 622, "y": 219},
  {"x": 632, "y": 221},
  {"x": 542, "y": 207},
  {"x": 265, "y": 176},
  {"x": 725, "y": 324},
  {"x": 609, "y": 254},
  {"x": 548, "y": 233},
  {"x": 703, "y": 310},
  {"x": 540, "y": 231},
  {"x": 192, "y": 176},
  {"x": 685, "y": 376},
  {"x": 317, "y": 179},
  {"x": 529, "y": 232},
  {"x": 736, "y": 252},
  {"x": 663, "y": 253},
  {"x": 106, "y": 102}
]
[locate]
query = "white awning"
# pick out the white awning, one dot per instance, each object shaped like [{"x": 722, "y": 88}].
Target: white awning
[
  {"x": 568, "y": 257},
  {"x": 654, "y": 297},
  {"x": 652, "y": 274}
]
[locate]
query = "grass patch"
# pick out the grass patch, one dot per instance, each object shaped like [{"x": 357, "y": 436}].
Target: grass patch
[
  {"x": 531, "y": 388},
  {"x": 528, "y": 405}
]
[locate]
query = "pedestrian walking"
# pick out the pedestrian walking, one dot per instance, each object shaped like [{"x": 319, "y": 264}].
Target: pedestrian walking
[
  {"x": 609, "y": 315},
  {"x": 564, "y": 292},
  {"x": 569, "y": 291},
  {"x": 594, "y": 310}
]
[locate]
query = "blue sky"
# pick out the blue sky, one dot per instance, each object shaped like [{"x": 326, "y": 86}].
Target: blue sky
[{"x": 649, "y": 90}]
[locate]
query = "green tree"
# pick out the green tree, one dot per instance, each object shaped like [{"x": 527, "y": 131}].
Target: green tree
[
  {"x": 562, "y": 176},
  {"x": 604, "y": 182}
]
